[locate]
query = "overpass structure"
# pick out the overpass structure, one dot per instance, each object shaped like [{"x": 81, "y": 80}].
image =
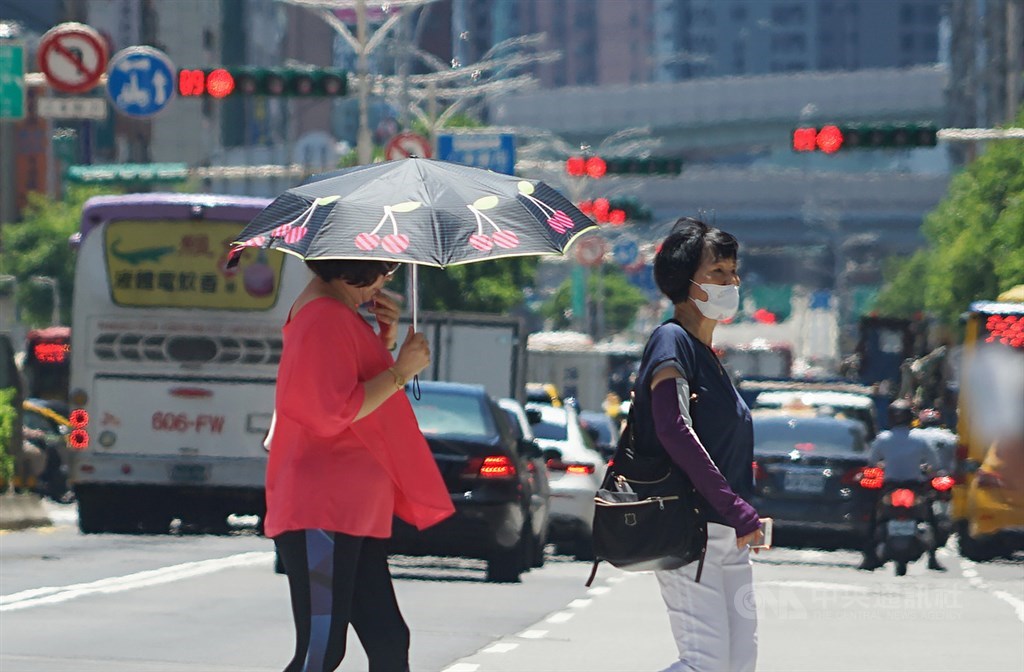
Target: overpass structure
[{"x": 739, "y": 170}]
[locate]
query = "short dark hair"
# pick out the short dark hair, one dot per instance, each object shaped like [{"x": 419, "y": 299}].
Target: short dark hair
[
  {"x": 900, "y": 413},
  {"x": 681, "y": 252},
  {"x": 357, "y": 272}
]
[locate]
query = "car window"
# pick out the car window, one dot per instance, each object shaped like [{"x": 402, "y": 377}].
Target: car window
[
  {"x": 601, "y": 425},
  {"x": 545, "y": 429},
  {"x": 513, "y": 423},
  {"x": 453, "y": 415},
  {"x": 779, "y": 435}
]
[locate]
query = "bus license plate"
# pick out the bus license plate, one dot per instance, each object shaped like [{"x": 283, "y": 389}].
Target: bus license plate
[{"x": 190, "y": 473}]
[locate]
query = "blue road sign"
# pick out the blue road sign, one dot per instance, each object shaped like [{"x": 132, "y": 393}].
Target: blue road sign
[
  {"x": 643, "y": 278},
  {"x": 625, "y": 252},
  {"x": 493, "y": 151},
  {"x": 140, "y": 81}
]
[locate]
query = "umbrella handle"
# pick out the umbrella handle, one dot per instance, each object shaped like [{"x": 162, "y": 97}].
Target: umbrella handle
[
  {"x": 415, "y": 321},
  {"x": 415, "y": 297}
]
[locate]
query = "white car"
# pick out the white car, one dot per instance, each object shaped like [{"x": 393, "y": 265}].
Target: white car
[{"x": 575, "y": 471}]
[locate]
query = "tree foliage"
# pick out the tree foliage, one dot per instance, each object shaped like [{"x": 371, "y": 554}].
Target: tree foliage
[
  {"x": 621, "y": 300},
  {"x": 38, "y": 246},
  {"x": 486, "y": 287},
  {"x": 975, "y": 240}
]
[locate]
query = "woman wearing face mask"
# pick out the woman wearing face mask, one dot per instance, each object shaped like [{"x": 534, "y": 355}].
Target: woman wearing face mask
[{"x": 686, "y": 402}]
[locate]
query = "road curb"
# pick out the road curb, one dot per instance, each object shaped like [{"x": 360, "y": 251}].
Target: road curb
[{"x": 21, "y": 511}]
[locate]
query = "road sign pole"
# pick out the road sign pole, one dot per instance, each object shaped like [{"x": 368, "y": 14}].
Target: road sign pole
[{"x": 12, "y": 108}]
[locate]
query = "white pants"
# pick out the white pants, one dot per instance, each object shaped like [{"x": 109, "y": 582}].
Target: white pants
[{"x": 714, "y": 622}]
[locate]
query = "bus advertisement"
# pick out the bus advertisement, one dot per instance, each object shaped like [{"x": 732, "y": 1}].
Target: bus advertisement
[{"x": 173, "y": 361}]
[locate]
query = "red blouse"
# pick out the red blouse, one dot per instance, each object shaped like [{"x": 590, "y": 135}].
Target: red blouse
[{"x": 326, "y": 470}]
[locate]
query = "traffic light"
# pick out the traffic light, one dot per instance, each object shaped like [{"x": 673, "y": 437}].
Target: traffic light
[
  {"x": 833, "y": 138},
  {"x": 253, "y": 81},
  {"x": 660, "y": 165}
]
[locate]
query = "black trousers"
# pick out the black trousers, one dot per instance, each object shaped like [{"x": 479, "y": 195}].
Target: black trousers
[{"x": 336, "y": 579}]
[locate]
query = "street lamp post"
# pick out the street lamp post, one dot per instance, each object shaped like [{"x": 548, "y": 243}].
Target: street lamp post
[{"x": 54, "y": 286}]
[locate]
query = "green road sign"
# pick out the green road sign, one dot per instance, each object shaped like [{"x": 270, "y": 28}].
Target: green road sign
[{"x": 12, "y": 81}]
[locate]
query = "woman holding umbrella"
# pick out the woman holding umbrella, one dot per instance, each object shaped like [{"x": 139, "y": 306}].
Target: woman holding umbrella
[{"x": 347, "y": 455}]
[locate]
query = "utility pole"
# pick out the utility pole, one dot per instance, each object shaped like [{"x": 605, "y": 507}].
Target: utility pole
[{"x": 362, "y": 43}]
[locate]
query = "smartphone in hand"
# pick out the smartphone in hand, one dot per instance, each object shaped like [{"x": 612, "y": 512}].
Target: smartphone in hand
[{"x": 766, "y": 528}]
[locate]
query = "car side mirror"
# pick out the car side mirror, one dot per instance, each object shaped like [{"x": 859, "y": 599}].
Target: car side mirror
[
  {"x": 529, "y": 449},
  {"x": 551, "y": 454},
  {"x": 533, "y": 416}
]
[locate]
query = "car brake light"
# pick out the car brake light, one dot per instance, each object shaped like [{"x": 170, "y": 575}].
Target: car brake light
[
  {"x": 903, "y": 498},
  {"x": 943, "y": 483},
  {"x": 759, "y": 472},
  {"x": 989, "y": 479},
  {"x": 497, "y": 466},
  {"x": 570, "y": 467}
]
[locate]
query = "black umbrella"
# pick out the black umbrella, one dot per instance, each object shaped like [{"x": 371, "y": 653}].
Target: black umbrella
[{"x": 416, "y": 211}]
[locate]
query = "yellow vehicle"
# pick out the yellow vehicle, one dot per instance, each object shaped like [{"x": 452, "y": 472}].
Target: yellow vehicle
[{"x": 988, "y": 498}]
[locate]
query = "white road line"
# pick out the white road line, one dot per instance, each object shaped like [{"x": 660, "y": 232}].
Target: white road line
[
  {"x": 971, "y": 574},
  {"x": 500, "y": 647},
  {"x": 560, "y": 617},
  {"x": 462, "y": 667},
  {"x": 55, "y": 594},
  {"x": 600, "y": 590},
  {"x": 1017, "y": 604},
  {"x": 533, "y": 634},
  {"x": 815, "y": 585},
  {"x": 579, "y": 604}
]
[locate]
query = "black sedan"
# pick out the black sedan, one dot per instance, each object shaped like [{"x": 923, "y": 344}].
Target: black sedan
[
  {"x": 500, "y": 510},
  {"x": 811, "y": 475}
]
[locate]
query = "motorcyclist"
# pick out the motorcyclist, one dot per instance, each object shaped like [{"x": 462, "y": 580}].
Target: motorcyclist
[{"x": 907, "y": 459}]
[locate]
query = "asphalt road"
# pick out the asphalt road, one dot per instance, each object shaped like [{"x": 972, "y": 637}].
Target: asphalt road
[{"x": 213, "y": 604}]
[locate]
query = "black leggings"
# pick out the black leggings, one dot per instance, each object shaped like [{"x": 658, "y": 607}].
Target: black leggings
[{"x": 336, "y": 579}]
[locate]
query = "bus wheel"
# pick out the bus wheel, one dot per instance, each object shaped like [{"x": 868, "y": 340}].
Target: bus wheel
[{"x": 91, "y": 516}]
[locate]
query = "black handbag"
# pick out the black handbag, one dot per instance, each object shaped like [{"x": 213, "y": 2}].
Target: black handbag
[{"x": 647, "y": 514}]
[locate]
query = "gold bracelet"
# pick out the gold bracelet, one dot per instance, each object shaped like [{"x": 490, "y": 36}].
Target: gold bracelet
[{"x": 399, "y": 381}]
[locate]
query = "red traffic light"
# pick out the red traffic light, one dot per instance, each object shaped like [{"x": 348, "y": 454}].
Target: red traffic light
[
  {"x": 220, "y": 83},
  {"x": 575, "y": 165},
  {"x": 596, "y": 167},
  {"x": 804, "y": 139},
  {"x": 829, "y": 139}
]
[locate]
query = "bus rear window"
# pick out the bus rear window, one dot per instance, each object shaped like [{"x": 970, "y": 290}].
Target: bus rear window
[
  {"x": 1006, "y": 330},
  {"x": 182, "y": 264}
]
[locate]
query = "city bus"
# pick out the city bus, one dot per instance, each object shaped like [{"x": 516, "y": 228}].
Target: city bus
[
  {"x": 988, "y": 495},
  {"x": 173, "y": 362}
]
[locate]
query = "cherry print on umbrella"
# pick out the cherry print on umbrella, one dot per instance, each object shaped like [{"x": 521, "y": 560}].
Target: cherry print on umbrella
[
  {"x": 500, "y": 237},
  {"x": 394, "y": 242},
  {"x": 287, "y": 232},
  {"x": 557, "y": 220}
]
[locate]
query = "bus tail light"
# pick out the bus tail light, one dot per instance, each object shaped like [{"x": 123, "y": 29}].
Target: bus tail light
[{"x": 79, "y": 438}]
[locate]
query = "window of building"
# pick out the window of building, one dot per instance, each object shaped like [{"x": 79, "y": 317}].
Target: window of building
[{"x": 788, "y": 14}]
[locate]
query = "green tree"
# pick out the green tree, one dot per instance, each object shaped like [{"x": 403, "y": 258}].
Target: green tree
[
  {"x": 621, "y": 300},
  {"x": 487, "y": 287},
  {"x": 38, "y": 245},
  {"x": 975, "y": 240}
]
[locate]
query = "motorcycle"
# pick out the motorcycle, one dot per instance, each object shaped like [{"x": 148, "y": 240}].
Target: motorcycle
[{"x": 906, "y": 513}]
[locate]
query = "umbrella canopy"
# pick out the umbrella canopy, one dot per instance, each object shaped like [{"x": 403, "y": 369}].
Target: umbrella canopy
[{"x": 417, "y": 211}]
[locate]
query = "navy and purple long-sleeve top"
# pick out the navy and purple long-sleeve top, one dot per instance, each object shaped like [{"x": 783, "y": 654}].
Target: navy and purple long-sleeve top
[{"x": 701, "y": 421}]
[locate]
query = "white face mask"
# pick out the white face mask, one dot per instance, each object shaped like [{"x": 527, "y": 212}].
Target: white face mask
[{"x": 723, "y": 301}]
